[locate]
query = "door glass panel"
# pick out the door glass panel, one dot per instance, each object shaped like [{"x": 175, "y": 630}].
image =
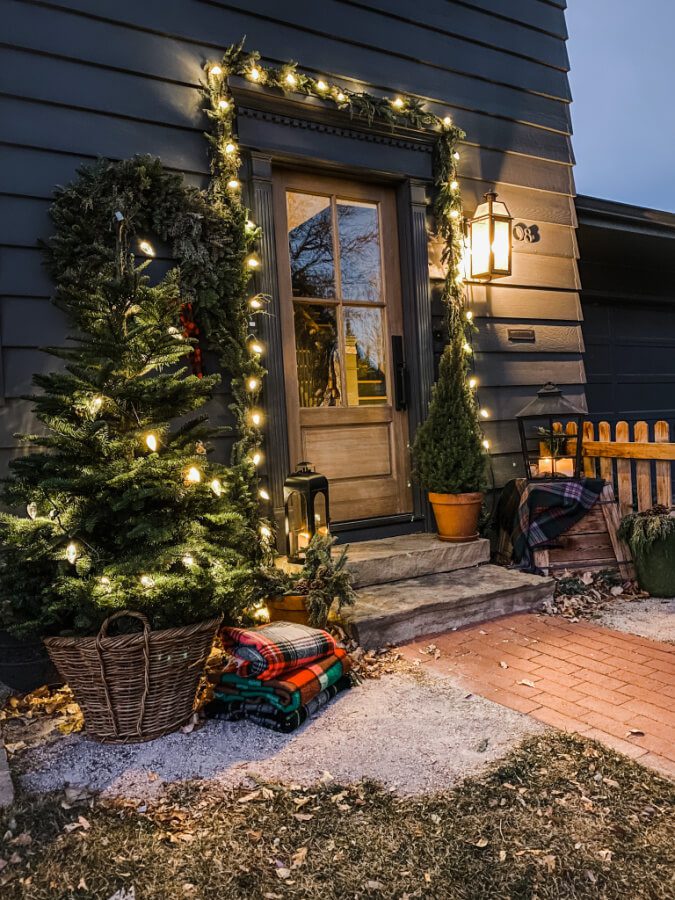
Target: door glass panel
[
  {"x": 317, "y": 355},
  {"x": 310, "y": 245},
  {"x": 365, "y": 380},
  {"x": 359, "y": 240}
]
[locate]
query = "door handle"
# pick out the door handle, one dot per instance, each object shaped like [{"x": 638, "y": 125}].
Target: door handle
[{"x": 400, "y": 373}]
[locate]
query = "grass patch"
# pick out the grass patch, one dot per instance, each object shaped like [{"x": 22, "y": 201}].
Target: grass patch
[{"x": 558, "y": 818}]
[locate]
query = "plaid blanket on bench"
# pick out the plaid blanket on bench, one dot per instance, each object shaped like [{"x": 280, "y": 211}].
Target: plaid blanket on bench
[
  {"x": 295, "y": 690},
  {"x": 271, "y": 650},
  {"x": 268, "y": 716}
]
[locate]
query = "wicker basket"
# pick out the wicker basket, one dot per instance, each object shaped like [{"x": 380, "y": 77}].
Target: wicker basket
[{"x": 134, "y": 687}]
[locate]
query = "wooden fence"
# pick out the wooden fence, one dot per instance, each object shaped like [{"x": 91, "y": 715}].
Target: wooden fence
[{"x": 649, "y": 455}]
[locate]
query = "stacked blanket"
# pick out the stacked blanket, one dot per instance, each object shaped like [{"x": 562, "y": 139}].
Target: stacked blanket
[{"x": 283, "y": 673}]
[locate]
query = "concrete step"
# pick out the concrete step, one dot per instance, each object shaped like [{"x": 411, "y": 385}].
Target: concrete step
[
  {"x": 411, "y": 556},
  {"x": 395, "y": 613}
]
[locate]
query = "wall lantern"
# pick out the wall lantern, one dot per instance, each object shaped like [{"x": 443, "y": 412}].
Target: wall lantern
[
  {"x": 490, "y": 240},
  {"x": 551, "y": 436},
  {"x": 306, "y": 510}
]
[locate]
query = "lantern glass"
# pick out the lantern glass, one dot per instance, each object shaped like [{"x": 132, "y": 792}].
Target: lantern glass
[
  {"x": 297, "y": 525},
  {"x": 321, "y": 513},
  {"x": 490, "y": 233},
  {"x": 551, "y": 436},
  {"x": 306, "y": 510}
]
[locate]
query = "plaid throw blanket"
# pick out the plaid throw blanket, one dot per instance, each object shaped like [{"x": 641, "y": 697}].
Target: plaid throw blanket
[
  {"x": 538, "y": 512},
  {"x": 295, "y": 690},
  {"x": 271, "y": 650},
  {"x": 269, "y": 716}
]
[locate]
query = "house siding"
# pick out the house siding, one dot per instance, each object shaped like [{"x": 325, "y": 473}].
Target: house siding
[{"x": 81, "y": 79}]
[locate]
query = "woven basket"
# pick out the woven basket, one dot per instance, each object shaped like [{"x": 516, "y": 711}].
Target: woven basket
[{"x": 134, "y": 687}]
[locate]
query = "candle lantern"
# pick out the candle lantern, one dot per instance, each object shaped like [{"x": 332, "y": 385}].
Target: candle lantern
[
  {"x": 551, "y": 436},
  {"x": 490, "y": 240},
  {"x": 306, "y": 510}
]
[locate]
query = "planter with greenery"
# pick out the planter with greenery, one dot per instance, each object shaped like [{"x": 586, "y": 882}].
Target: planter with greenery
[
  {"x": 306, "y": 595},
  {"x": 651, "y": 538}
]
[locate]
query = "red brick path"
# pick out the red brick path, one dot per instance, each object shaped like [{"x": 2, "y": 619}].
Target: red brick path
[{"x": 617, "y": 688}]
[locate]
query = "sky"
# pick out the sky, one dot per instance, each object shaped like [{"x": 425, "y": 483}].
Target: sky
[{"x": 622, "y": 57}]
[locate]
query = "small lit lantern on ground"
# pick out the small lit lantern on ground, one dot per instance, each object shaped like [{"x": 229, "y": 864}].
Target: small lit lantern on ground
[
  {"x": 306, "y": 510},
  {"x": 551, "y": 436},
  {"x": 490, "y": 240}
]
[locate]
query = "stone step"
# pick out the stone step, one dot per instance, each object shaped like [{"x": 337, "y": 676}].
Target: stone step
[
  {"x": 411, "y": 556},
  {"x": 400, "y": 612}
]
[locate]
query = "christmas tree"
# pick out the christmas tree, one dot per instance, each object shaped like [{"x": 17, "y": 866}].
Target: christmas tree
[
  {"x": 448, "y": 451},
  {"x": 124, "y": 510}
]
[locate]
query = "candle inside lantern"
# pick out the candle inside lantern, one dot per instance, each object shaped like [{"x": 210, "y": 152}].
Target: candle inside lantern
[
  {"x": 304, "y": 538},
  {"x": 562, "y": 465}
]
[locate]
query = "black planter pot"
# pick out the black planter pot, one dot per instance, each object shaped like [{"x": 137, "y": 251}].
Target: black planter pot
[{"x": 25, "y": 665}]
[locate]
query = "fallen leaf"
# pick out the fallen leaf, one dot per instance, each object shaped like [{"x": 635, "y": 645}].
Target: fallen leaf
[
  {"x": 283, "y": 873},
  {"x": 549, "y": 861},
  {"x": 374, "y": 885},
  {"x": 247, "y": 798},
  {"x": 503, "y": 665},
  {"x": 605, "y": 855},
  {"x": 502, "y": 856},
  {"x": 298, "y": 858},
  {"x": 481, "y": 842},
  {"x": 82, "y": 885},
  {"x": 635, "y": 732},
  {"x": 526, "y": 682}
]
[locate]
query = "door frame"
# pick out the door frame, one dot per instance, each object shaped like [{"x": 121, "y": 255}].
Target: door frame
[{"x": 301, "y": 132}]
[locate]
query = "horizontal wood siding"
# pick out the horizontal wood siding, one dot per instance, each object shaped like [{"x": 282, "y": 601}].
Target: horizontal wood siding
[{"x": 81, "y": 79}]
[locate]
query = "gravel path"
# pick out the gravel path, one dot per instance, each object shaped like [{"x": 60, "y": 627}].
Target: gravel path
[
  {"x": 651, "y": 618},
  {"x": 413, "y": 735}
]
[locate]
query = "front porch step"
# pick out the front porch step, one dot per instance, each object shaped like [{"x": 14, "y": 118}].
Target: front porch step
[
  {"x": 411, "y": 556},
  {"x": 400, "y": 612}
]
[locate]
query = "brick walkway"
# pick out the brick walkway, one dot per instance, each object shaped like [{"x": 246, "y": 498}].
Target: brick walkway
[{"x": 617, "y": 688}]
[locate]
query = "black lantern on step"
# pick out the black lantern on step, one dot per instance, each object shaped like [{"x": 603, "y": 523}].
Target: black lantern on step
[
  {"x": 551, "y": 436},
  {"x": 306, "y": 510}
]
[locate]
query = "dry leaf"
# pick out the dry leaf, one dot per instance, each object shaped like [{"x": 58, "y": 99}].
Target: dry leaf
[
  {"x": 374, "y": 885},
  {"x": 635, "y": 732},
  {"x": 298, "y": 858},
  {"x": 82, "y": 885},
  {"x": 502, "y": 856},
  {"x": 549, "y": 862},
  {"x": 247, "y": 798},
  {"x": 481, "y": 842},
  {"x": 503, "y": 665},
  {"x": 283, "y": 873},
  {"x": 526, "y": 682},
  {"x": 303, "y": 817}
]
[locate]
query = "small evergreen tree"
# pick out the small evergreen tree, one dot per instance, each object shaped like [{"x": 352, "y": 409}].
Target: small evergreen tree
[
  {"x": 448, "y": 453},
  {"x": 124, "y": 511}
]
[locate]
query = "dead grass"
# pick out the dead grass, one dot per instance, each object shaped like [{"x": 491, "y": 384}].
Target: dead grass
[{"x": 559, "y": 818}]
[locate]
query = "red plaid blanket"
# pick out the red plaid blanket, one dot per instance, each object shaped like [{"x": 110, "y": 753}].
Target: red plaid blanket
[{"x": 271, "y": 650}]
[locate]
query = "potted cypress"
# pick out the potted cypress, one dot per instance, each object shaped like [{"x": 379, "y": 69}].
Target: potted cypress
[
  {"x": 448, "y": 454},
  {"x": 651, "y": 538}
]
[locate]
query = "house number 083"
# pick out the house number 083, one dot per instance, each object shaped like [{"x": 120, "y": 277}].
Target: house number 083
[{"x": 527, "y": 233}]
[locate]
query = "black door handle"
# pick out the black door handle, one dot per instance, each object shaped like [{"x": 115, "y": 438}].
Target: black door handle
[{"x": 400, "y": 371}]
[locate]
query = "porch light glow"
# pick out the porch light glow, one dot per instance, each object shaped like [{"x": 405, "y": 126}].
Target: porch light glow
[
  {"x": 147, "y": 248},
  {"x": 193, "y": 475},
  {"x": 151, "y": 442},
  {"x": 490, "y": 239}
]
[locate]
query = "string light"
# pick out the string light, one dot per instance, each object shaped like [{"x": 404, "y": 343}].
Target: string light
[
  {"x": 233, "y": 184},
  {"x": 253, "y": 384},
  {"x": 398, "y": 102},
  {"x": 263, "y": 494},
  {"x": 147, "y": 581},
  {"x": 147, "y": 248},
  {"x": 256, "y": 347},
  {"x": 321, "y": 85},
  {"x": 193, "y": 475},
  {"x": 188, "y": 560},
  {"x": 223, "y": 104},
  {"x": 255, "y": 303},
  {"x": 341, "y": 97},
  {"x": 486, "y": 444},
  {"x": 454, "y": 185},
  {"x": 485, "y": 414},
  {"x": 256, "y": 457},
  {"x": 230, "y": 147},
  {"x": 249, "y": 226},
  {"x": 265, "y": 531},
  {"x": 256, "y": 418},
  {"x": 447, "y": 121},
  {"x": 32, "y": 510},
  {"x": 151, "y": 442},
  {"x": 216, "y": 487},
  {"x": 473, "y": 383},
  {"x": 291, "y": 80},
  {"x": 254, "y": 73},
  {"x": 466, "y": 347},
  {"x": 215, "y": 71},
  {"x": 469, "y": 315},
  {"x": 262, "y": 614},
  {"x": 252, "y": 261},
  {"x": 96, "y": 404},
  {"x": 454, "y": 214},
  {"x": 72, "y": 553},
  {"x": 455, "y": 155}
]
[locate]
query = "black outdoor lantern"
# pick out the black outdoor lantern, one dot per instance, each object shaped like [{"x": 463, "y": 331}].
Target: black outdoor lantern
[
  {"x": 551, "y": 436},
  {"x": 490, "y": 240},
  {"x": 306, "y": 510}
]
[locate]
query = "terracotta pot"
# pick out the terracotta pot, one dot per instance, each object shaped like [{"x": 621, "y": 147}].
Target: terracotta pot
[
  {"x": 288, "y": 608},
  {"x": 457, "y": 516}
]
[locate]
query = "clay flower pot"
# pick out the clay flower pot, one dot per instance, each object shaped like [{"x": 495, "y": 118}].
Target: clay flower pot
[
  {"x": 457, "y": 516},
  {"x": 288, "y": 608}
]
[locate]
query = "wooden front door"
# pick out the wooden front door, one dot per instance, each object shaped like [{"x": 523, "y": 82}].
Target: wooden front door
[{"x": 340, "y": 303}]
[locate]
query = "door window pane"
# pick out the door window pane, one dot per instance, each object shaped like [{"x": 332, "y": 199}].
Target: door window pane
[
  {"x": 317, "y": 355},
  {"x": 359, "y": 240},
  {"x": 310, "y": 245},
  {"x": 365, "y": 380}
]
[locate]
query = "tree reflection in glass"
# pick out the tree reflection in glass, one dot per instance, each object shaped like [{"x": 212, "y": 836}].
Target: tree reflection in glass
[
  {"x": 310, "y": 245},
  {"x": 359, "y": 240},
  {"x": 364, "y": 357},
  {"x": 316, "y": 348}
]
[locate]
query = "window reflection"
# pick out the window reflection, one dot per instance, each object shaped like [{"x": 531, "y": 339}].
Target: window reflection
[
  {"x": 317, "y": 355},
  {"x": 310, "y": 244},
  {"x": 359, "y": 239},
  {"x": 365, "y": 381}
]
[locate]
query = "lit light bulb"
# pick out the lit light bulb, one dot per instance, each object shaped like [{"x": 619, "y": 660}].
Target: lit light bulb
[
  {"x": 485, "y": 414},
  {"x": 254, "y": 73},
  {"x": 230, "y": 147},
  {"x": 96, "y": 404},
  {"x": 454, "y": 214},
  {"x": 188, "y": 560},
  {"x": 252, "y": 262},
  {"x": 223, "y": 104},
  {"x": 256, "y": 458},
  {"x": 398, "y": 102},
  {"x": 250, "y": 226},
  {"x": 263, "y": 494},
  {"x": 265, "y": 531},
  {"x": 255, "y": 303},
  {"x": 455, "y": 155},
  {"x": 454, "y": 185},
  {"x": 469, "y": 315},
  {"x": 256, "y": 347},
  {"x": 447, "y": 121},
  {"x": 216, "y": 487},
  {"x": 72, "y": 553},
  {"x": 253, "y": 384},
  {"x": 256, "y": 418},
  {"x": 233, "y": 184},
  {"x": 151, "y": 442},
  {"x": 193, "y": 475},
  {"x": 466, "y": 347},
  {"x": 147, "y": 581},
  {"x": 147, "y": 248},
  {"x": 215, "y": 71},
  {"x": 262, "y": 614},
  {"x": 341, "y": 97},
  {"x": 321, "y": 85},
  {"x": 486, "y": 444},
  {"x": 291, "y": 80},
  {"x": 473, "y": 382},
  {"x": 32, "y": 510}
]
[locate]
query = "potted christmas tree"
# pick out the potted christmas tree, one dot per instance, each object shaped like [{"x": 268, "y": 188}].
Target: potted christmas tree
[
  {"x": 448, "y": 454},
  {"x": 124, "y": 511}
]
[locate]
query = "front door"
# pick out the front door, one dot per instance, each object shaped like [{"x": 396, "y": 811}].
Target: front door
[{"x": 340, "y": 303}]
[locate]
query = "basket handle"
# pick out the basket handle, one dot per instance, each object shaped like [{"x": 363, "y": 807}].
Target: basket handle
[{"x": 103, "y": 632}]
